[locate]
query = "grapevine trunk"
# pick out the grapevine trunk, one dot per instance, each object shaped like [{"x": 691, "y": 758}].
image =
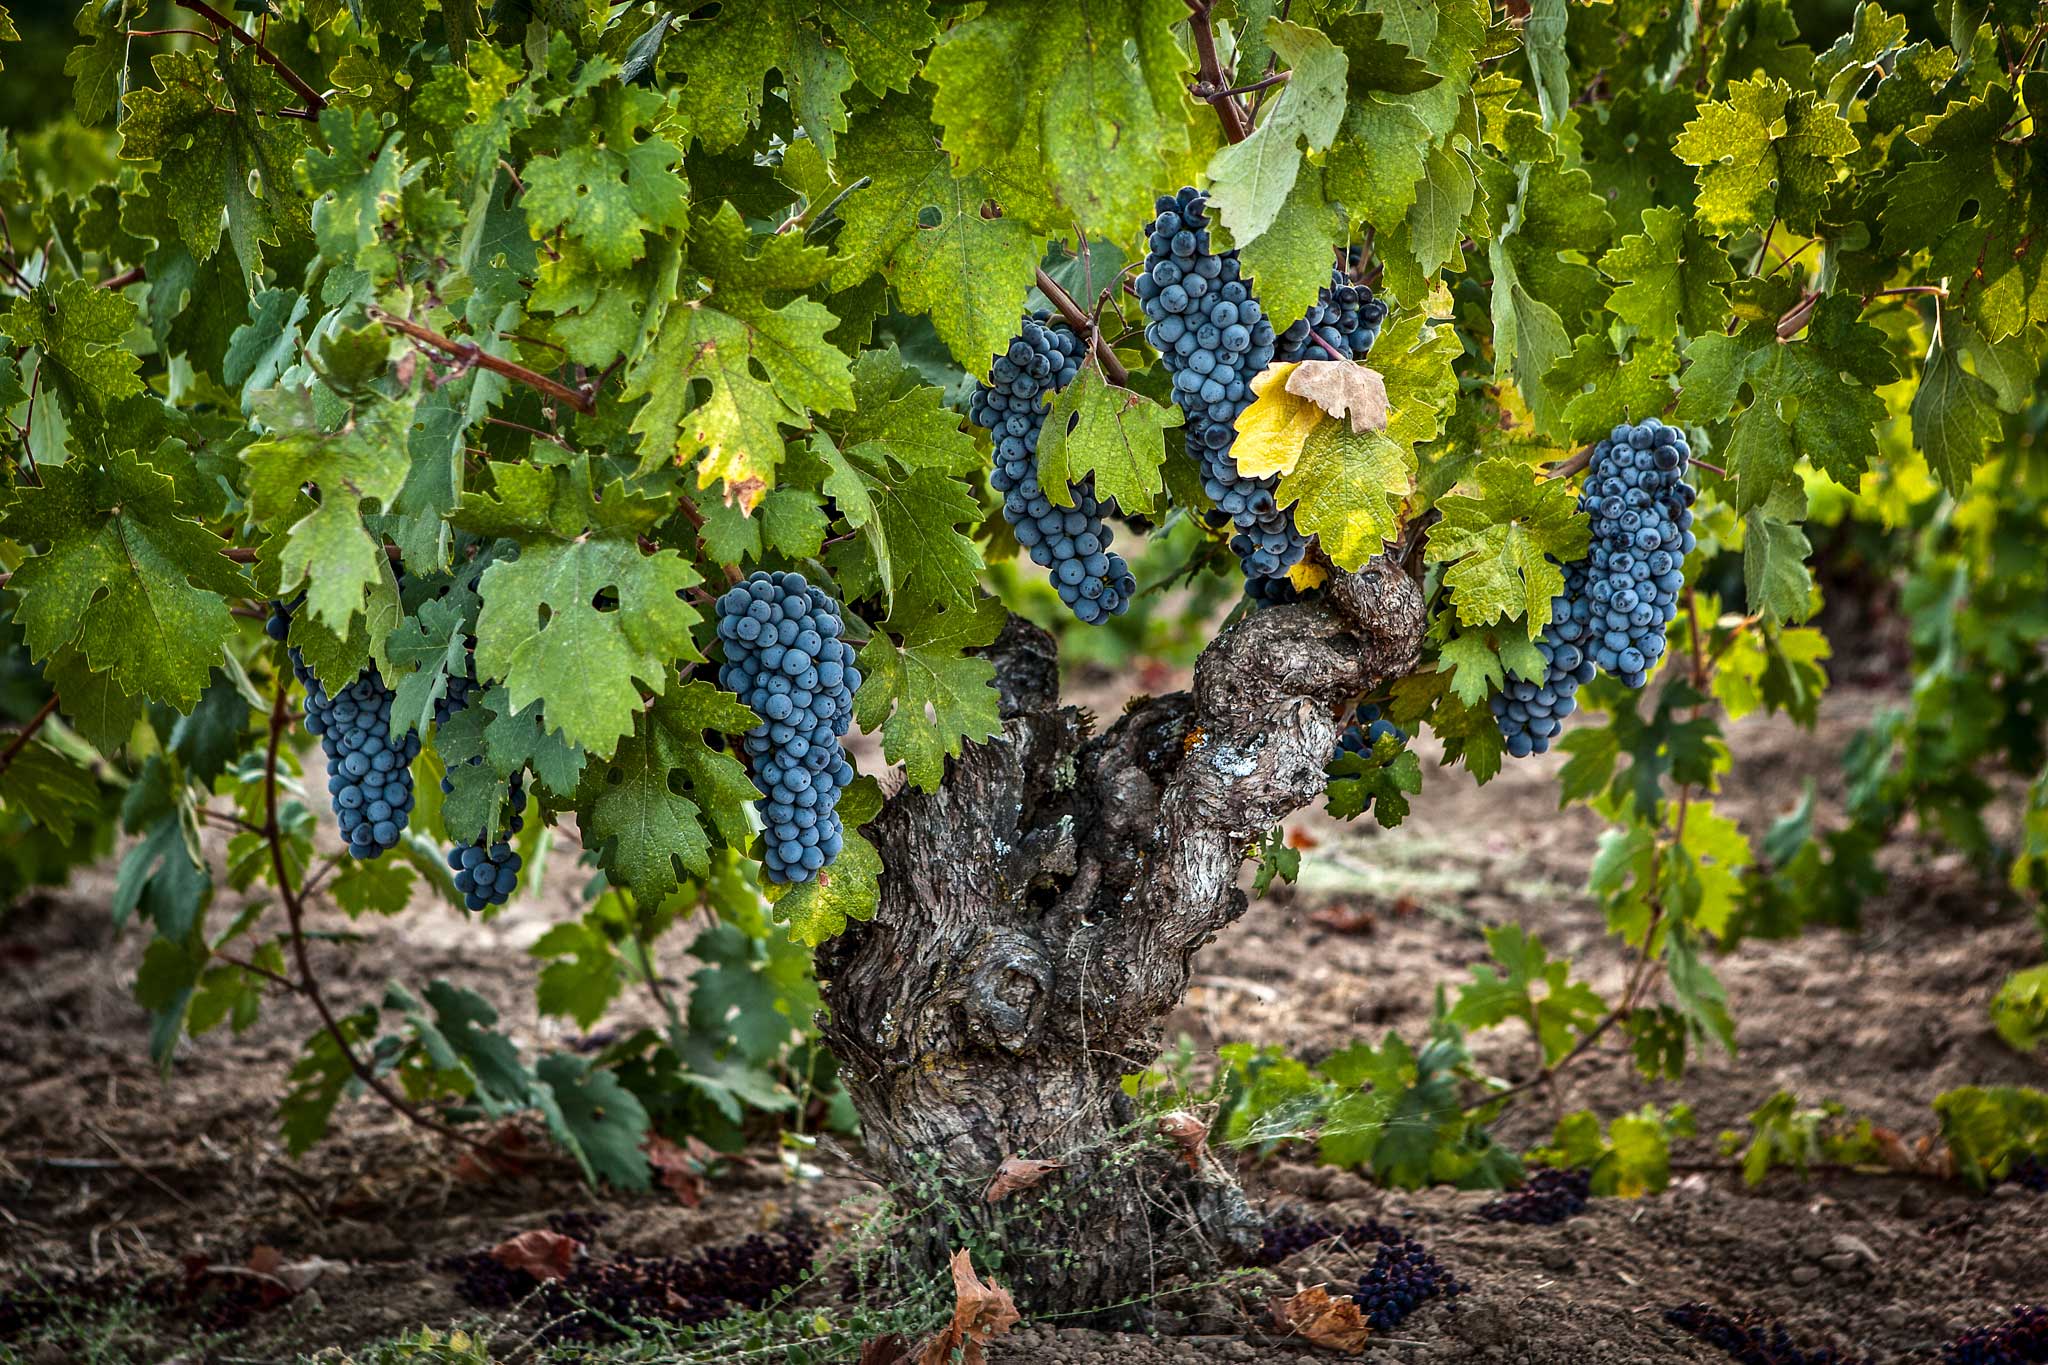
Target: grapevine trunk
[{"x": 1039, "y": 917}]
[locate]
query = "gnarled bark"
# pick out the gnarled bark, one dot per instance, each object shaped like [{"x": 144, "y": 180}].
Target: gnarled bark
[{"x": 1039, "y": 916}]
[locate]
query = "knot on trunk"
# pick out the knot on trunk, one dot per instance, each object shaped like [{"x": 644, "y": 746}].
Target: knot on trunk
[{"x": 1006, "y": 990}]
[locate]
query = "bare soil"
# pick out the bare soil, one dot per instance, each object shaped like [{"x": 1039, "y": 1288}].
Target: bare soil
[{"x": 105, "y": 1164}]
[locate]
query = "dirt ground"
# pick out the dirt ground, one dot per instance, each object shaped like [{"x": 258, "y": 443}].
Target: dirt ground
[{"x": 103, "y": 1163}]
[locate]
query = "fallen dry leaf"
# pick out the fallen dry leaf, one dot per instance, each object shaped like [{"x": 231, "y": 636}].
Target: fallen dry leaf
[
  {"x": 1301, "y": 838},
  {"x": 542, "y": 1254},
  {"x": 1186, "y": 1132},
  {"x": 1018, "y": 1173},
  {"x": 1332, "y": 1323},
  {"x": 980, "y": 1313},
  {"x": 1342, "y": 389},
  {"x": 886, "y": 1350},
  {"x": 505, "y": 1145},
  {"x": 1346, "y": 919},
  {"x": 682, "y": 1169}
]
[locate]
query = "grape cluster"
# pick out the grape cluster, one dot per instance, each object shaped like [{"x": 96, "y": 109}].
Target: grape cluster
[
  {"x": 1366, "y": 730},
  {"x": 784, "y": 658},
  {"x": 369, "y": 774},
  {"x": 1074, "y": 541},
  {"x": 2021, "y": 1339},
  {"x": 1279, "y": 1241},
  {"x": 1550, "y": 1196},
  {"x": 1403, "y": 1276},
  {"x": 2030, "y": 1172},
  {"x": 487, "y": 870},
  {"x": 1618, "y": 600},
  {"x": 1753, "y": 1338},
  {"x": 1345, "y": 317},
  {"x": 598, "y": 1297},
  {"x": 1214, "y": 338}
]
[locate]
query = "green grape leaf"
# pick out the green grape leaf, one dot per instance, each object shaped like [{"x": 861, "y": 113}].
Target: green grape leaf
[
  {"x": 319, "y": 1079},
  {"x": 612, "y": 181},
  {"x": 894, "y": 408},
  {"x": 1113, "y": 434},
  {"x": 847, "y": 888},
  {"x": 542, "y": 630},
  {"x": 1381, "y": 781},
  {"x": 650, "y": 808},
  {"x": 1668, "y": 277},
  {"x": 356, "y": 185},
  {"x": 1289, "y": 261},
  {"x": 1955, "y": 415},
  {"x": 910, "y": 551},
  {"x": 1348, "y": 489},
  {"x": 81, "y": 331},
  {"x": 55, "y": 793},
  {"x": 1777, "y": 584},
  {"x": 95, "y": 64},
  {"x": 584, "y": 973},
  {"x": 593, "y": 1116},
  {"x": 921, "y": 226},
  {"x": 1604, "y": 387},
  {"x": 1765, "y": 153},
  {"x": 766, "y": 367},
  {"x": 460, "y": 1036},
  {"x": 216, "y": 154},
  {"x": 1505, "y": 544},
  {"x": 1473, "y": 667},
  {"x": 1814, "y": 400},
  {"x": 137, "y": 589},
  {"x": 1532, "y": 986},
  {"x": 1098, "y": 91},
  {"x": 260, "y": 350},
  {"x": 927, "y": 695},
  {"x": 1251, "y": 181},
  {"x": 363, "y": 462},
  {"x": 1846, "y": 67},
  {"x": 383, "y": 887}
]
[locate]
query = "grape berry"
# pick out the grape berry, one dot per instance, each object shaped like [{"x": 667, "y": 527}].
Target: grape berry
[
  {"x": 369, "y": 774},
  {"x": 1403, "y": 1276},
  {"x": 1753, "y": 1338},
  {"x": 1550, "y": 1196},
  {"x": 784, "y": 658},
  {"x": 486, "y": 872},
  {"x": 1619, "y": 599},
  {"x": 1074, "y": 541},
  {"x": 2021, "y": 1339}
]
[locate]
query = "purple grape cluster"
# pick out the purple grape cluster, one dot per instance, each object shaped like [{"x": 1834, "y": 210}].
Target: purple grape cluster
[
  {"x": 1346, "y": 318},
  {"x": 487, "y": 871},
  {"x": 2030, "y": 1172},
  {"x": 1366, "y": 730},
  {"x": 1550, "y": 1196},
  {"x": 1403, "y": 1276},
  {"x": 1213, "y": 338},
  {"x": 587, "y": 1304},
  {"x": 1073, "y": 542},
  {"x": 2021, "y": 1339},
  {"x": 1278, "y": 1241},
  {"x": 784, "y": 658},
  {"x": 1753, "y": 1338},
  {"x": 369, "y": 773},
  {"x": 1618, "y": 600}
]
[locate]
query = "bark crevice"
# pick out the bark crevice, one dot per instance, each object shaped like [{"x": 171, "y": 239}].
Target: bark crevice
[{"x": 1039, "y": 917}]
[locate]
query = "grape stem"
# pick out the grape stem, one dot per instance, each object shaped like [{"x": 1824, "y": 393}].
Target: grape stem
[
  {"x": 1112, "y": 368},
  {"x": 1574, "y": 465},
  {"x": 27, "y": 733},
  {"x": 308, "y": 985},
  {"x": 315, "y": 102},
  {"x": 584, "y": 400},
  {"x": 1212, "y": 78},
  {"x": 1202, "y": 92}
]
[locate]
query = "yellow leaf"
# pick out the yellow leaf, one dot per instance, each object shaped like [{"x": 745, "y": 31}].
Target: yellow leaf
[
  {"x": 1306, "y": 575},
  {"x": 1272, "y": 431}
]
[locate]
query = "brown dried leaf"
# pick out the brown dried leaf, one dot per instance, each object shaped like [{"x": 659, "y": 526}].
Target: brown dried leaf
[
  {"x": 980, "y": 1313},
  {"x": 1341, "y": 389},
  {"x": 542, "y": 1254},
  {"x": 1332, "y": 1323},
  {"x": 886, "y": 1350},
  {"x": 1302, "y": 839},
  {"x": 681, "y": 1168},
  {"x": 1346, "y": 919},
  {"x": 505, "y": 1146},
  {"x": 1186, "y": 1132},
  {"x": 1018, "y": 1173}
]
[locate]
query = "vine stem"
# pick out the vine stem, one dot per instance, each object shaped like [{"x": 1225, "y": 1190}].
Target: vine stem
[
  {"x": 27, "y": 733},
  {"x": 1212, "y": 78},
  {"x": 295, "y": 913},
  {"x": 583, "y": 400},
  {"x": 313, "y": 98},
  {"x": 1112, "y": 368},
  {"x": 1574, "y": 465}
]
